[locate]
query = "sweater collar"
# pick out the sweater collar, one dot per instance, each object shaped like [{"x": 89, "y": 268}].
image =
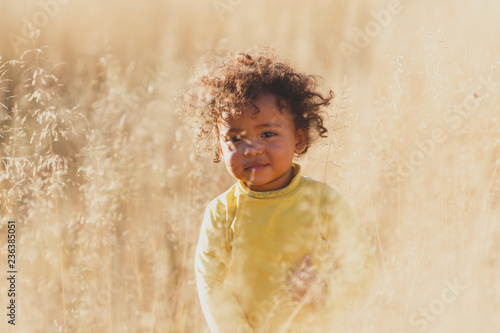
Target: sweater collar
[{"x": 277, "y": 193}]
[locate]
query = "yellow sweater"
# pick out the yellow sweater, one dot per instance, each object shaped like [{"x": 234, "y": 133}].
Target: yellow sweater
[{"x": 251, "y": 241}]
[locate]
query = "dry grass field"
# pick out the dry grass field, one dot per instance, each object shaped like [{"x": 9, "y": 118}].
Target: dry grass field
[{"x": 100, "y": 175}]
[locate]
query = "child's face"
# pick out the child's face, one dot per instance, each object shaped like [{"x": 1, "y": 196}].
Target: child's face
[{"x": 258, "y": 148}]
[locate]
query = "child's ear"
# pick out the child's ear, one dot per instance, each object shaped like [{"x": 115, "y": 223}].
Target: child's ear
[{"x": 300, "y": 141}]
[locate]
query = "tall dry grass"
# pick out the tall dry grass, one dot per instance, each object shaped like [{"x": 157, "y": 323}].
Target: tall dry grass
[{"x": 108, "y": 196}]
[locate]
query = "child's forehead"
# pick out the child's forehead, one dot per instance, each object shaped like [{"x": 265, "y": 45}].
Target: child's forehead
[{"x": 255, "y": 119}]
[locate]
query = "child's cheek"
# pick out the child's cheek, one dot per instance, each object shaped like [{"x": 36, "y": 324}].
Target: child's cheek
[{"x": 234, "y": 162}]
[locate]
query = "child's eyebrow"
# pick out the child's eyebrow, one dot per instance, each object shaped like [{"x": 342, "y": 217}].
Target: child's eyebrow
[
  {"x": 234, "y": 129},
  {"x": 270, "y": 125},
  {"x": 238, "y": 130}
]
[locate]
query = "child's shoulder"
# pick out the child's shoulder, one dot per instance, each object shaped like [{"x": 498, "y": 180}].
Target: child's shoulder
[
  {"x": 329, "y": 196},
  {"x": 223, "y": 200},
  {"x": 326, "y": 190}
]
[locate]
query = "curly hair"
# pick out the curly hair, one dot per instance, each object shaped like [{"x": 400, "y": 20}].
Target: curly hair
[{"x": 221, "y": 88}]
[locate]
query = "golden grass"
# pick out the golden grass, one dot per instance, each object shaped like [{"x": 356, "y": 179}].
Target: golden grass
[{"x": 108, "y": 196}]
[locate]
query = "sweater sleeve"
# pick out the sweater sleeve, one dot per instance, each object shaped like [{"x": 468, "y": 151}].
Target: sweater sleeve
[
  {"x": 343, "y": 255},
  {"x": 220, "y": 306}
]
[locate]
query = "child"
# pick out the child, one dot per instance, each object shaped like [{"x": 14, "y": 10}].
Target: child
[{"x": 278, "y": 251}]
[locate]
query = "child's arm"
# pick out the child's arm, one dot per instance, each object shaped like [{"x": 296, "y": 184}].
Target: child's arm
[
  {"x": 220, "y": 307},
  {"x": 342, "y": 254}
]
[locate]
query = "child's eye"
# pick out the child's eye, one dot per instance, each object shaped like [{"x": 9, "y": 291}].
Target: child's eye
[
  {"x": 234, "y": 138},
  {"x": 268, "y": 134}
]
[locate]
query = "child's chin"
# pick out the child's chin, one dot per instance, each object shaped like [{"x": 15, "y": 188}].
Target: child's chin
[
  {"x": 258, "y": 181},
  {"x": 255, "y": 182},
  {"x": 259, "y": 185}
]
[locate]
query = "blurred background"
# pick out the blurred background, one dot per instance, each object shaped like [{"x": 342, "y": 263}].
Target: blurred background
[{"x": 108, "y": 196}]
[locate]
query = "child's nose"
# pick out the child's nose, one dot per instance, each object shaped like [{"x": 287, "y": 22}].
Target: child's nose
[{"x": 252, "y": 149}]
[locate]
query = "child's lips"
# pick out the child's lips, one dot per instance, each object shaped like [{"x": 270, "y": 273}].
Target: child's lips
[{"x": 256, "y": 167}]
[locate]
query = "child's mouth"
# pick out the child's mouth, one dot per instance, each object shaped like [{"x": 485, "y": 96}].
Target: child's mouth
[{"x": 256, "y": 167}]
